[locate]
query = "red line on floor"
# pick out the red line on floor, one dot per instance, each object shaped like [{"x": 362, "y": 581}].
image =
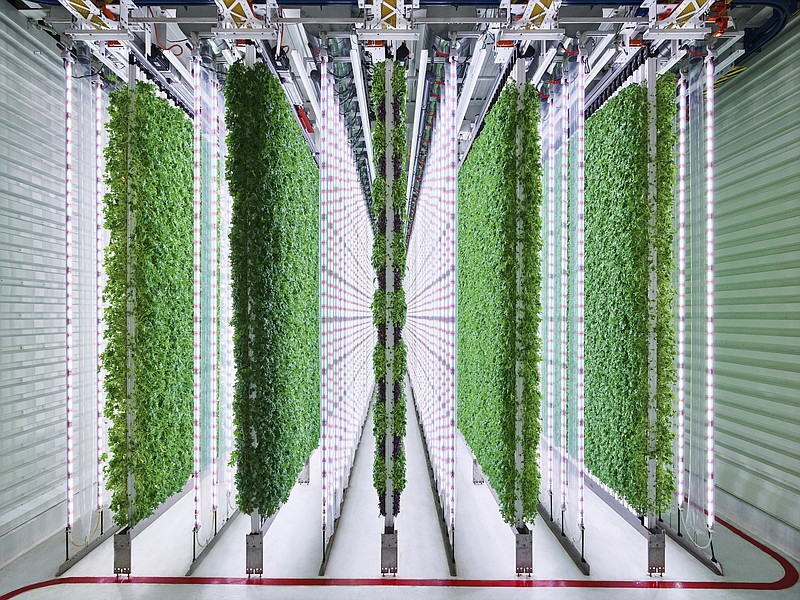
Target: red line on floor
[{"x": 789, "y": 579}]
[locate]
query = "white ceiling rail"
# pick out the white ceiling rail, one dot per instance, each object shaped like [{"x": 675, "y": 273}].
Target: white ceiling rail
[
  {"x": 363, "y": 109},
  {"x": 519, "y": 35},
  {"x": 471, "y": 79},
  {"x": 300, "y": 57},
  {"x": 419, "y": 109},
  {"x": 387, "y": 34},
  {"x": 677, "y": 34}
]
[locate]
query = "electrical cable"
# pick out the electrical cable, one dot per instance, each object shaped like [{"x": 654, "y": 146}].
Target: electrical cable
[
  {"x": 697, "y": 54},
  {"x": 570, "y": 52},
  {"x": 158, "y": 38},
  {"x": 91, "y": 74}
]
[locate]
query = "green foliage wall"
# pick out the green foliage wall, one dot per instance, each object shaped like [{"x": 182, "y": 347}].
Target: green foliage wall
[
  {"x": 487, "y": 297},
  {"x": 389, "y": 308},
  {"x": 617, "y": 276},
  {"x": 275, "y": 276},
  {"x": 149, "y": 173}
]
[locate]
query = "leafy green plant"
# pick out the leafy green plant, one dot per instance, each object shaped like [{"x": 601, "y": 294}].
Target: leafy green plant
[
  {"x": 616, "y": 302},
  {"x": 397, "y": 307},
  {"x": 529, "y": 174},
  {"x": 389, "y": 216},
  {"x": 149, "y": 175},
  {"x": 275, "y": 276},
  {"x": 487, "y": 297},
  {"x": 379, "y": 307},
  {"x": 665, "y": 328}
]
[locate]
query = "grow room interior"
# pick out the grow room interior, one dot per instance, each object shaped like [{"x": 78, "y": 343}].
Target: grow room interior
[{"x": 411, "y": 299}]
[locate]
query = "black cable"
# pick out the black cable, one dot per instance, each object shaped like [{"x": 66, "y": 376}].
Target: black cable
[{"x": 95, "y": 74}]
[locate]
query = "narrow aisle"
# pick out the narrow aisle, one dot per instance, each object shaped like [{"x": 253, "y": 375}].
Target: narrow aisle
[
  {"x": 421, "y": 548},
  {"x": 485, "y": 544},
  {"x": 356, "y": 551},
  {"x": 356, "y": 547},
  {"x": 292, "y": 546},
  {"x": 164, "y": 548}
]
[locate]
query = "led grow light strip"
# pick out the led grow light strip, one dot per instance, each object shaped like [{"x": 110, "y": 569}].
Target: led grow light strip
[
  {"x": 551, "y": 265},
  {"x": 452, "y": 178},
  {"x": 681, "y": 383},
  {"x": 68, "y": 250},
  {"x": 214, "y": 272},
  {"x": 197, "y": 225},
  {"x": 581, "y": 266},
  {"x": 710, "y": 288},
  {"x": 229, "y": 360},
  {"x": 98, "y": 247},
  {"x": 324, "y": 295},
  {"x": 564, "y": 279}
]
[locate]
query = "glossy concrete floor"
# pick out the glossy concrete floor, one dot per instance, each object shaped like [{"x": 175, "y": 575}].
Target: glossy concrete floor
[{"x": 484, "y": 553}]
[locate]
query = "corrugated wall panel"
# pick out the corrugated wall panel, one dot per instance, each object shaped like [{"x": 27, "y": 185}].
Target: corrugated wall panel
[
  {"x": 757, "y": 265},
  {"x": 31, "y": 284}
]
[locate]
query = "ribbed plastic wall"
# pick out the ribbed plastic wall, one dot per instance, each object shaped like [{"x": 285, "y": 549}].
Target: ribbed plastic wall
[
  {"x": 758, "y": 284},
  {"x": 32, "y": 275}
]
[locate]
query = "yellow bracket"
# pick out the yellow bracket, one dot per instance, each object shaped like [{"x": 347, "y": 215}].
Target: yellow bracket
[
  {"x": 686, "y": 14},
  {"x": 538, "y": 14},
  {"x": 87, "y": 13},
  {"x": 239, "y": 13}
]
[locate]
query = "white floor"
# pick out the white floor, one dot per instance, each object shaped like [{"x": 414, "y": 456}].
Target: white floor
[{"x": 484, "y": 551}]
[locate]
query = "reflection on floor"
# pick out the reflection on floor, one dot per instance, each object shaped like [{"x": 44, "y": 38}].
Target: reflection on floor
[{"x": 484, "y": 552}]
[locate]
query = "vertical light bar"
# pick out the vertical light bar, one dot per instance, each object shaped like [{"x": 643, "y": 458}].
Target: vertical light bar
[
  {"x": 323, "y": 236},
  {"x": 214, "y": 273},
  {"x": 452, "y": 178},
  {"x": 228, "y": 423},
  {"x": 197, "y": 241},
  {"x": 98, "y": 248},
  {"x": 710, "y": 288},
  {"x": 681, "y": 383},
  {"x": 68, "y": 250},
  {"x": 564, "y": 279},
  {"x": 581, "y": 224},
  {"x": 551, "y": 284}
]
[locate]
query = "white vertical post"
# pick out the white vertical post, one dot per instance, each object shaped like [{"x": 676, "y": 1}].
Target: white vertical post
[
  {"x": 98, "y": 248},
  {"x": 323, "y": 231},
  {"x": 581, "y": 101},
  {"x": 709, "y": 84},
  {"x": 68, "y": 61},
  {"x": 551, "y": 284},
  {"x": 214, "y": 274},
  {"x": 681, "y": 375},
  {"x": 564, "y": 280},
  {"x": 451, "y": 153},
  {"x": 390, "y": 399},
  {"x": 519, "y": 75},
  {"x": 197, "y": 203},
  {"x": 652, "y": 290}
]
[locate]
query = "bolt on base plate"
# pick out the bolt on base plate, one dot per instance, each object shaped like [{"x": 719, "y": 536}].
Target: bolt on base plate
[
  {"x": 524, "y": 543},
  {"x": 389, "y": 553}
]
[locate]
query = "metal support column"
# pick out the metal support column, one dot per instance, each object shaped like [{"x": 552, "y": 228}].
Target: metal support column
[
  {"x": 656, "y": 544},
  {"x": 122, "y": 539},
  {"x": 389, "y": 536},
  {"x": 524, "y": 536}
]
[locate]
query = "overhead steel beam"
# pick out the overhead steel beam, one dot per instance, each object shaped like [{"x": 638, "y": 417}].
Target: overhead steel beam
[
  {"x": 475, "y": 68},
  {"x": 363, "y": 109},
  {"x": 418, "y": 111}
]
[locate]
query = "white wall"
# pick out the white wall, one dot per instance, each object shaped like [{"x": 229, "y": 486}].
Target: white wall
[
  {"x": 757, "y": 315},
  {"x": 32, "y": 289}
]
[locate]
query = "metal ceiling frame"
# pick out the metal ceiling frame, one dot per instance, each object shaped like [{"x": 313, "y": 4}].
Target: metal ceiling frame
[{"x": 536, "y": 25}]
